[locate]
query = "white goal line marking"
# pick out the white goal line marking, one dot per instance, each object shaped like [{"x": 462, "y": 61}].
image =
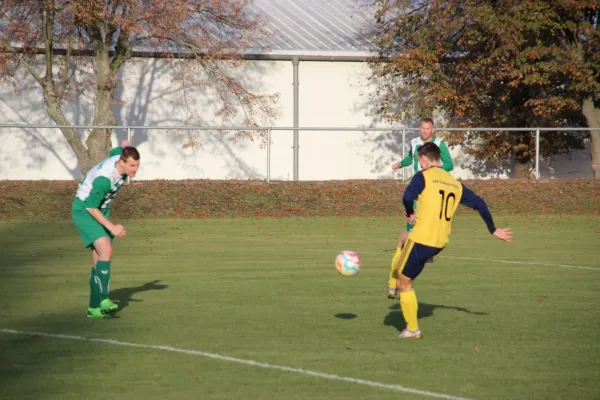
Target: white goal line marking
[
  {"x": 523, "y": 262},
  {"x": 242, "y": 361}
]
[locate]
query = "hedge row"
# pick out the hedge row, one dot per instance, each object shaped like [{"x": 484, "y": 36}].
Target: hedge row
[{"x": 198, "y": 199}]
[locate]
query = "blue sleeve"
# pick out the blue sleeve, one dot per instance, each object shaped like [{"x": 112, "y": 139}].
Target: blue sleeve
[
  {"x": 412, "y": 191},
  {"x": 471, "y": 200}
]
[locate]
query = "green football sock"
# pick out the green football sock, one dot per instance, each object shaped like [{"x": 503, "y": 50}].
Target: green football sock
[
  {"x": 94, "y": 290},
  {"x": 103, "y": 275}
]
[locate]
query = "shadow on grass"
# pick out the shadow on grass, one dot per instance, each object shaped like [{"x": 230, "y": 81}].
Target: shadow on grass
[
  {"x": 43, "y": 263},
  {"x": 345, "y": 316},
  {"x": 394, "y": 318},
  {"x": 124, "y": 296},
  {"x": 31, "y": 357}
]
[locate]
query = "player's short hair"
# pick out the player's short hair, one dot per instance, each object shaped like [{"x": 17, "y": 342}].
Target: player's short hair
[
  {"x": 130, "y": 152},
  {"x": 430, "y": 150},
  {"x": 428, "y": 120}
]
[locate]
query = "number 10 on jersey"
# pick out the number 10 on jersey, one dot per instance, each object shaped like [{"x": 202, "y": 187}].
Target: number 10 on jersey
[{"x": 444, "y": 205}]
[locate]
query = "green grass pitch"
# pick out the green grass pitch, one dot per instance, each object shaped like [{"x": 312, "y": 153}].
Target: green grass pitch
[{"x": 524, "y": 324}]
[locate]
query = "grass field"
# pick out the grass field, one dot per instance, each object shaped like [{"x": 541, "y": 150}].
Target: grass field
[{"x": 525, "y": 324}]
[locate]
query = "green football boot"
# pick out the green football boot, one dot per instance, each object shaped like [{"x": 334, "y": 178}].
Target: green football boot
[
  {"x": 108, "y": 306},
  {"x": 98, "y": 313}
]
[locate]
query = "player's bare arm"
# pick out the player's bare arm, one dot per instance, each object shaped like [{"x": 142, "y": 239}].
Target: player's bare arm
[{"x": 406, "y": 161}]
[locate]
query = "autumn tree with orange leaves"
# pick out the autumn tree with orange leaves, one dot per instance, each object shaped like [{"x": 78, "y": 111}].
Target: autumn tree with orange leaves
[
  {"x": 494, "y": 63},
  {"x": 57, "y": 40}
]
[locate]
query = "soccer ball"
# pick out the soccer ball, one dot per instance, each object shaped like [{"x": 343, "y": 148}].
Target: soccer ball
[{"x": 347, "y": 263}]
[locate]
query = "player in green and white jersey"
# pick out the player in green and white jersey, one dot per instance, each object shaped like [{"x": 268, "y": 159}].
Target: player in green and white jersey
[
  {"x": 91, "y": 215},
  {"x": 427, "y": 135}
]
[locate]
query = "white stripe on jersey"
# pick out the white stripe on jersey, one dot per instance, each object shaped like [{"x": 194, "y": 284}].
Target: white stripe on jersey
[
  {"x": 107, "y": 169},
  {"x": 414, "y": 146}
]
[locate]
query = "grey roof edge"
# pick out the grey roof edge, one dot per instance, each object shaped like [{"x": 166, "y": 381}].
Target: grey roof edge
[{"x": 283, "y": 55}]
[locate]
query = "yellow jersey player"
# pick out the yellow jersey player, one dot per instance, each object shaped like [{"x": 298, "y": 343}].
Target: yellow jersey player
[
  {"x": 427, "y": 135},
  {"x": 438, "y": 195}
]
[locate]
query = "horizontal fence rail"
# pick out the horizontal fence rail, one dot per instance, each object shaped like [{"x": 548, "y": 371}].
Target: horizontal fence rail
[
  {"x": 291, "y": 128},
  {"x": 270, "y": 129}
]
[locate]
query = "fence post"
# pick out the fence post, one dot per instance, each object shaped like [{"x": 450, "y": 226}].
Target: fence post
[
  {"x": 403, "y": 152},
  {"x": 296, "y": 83},
  {"x": 129, "y": 180},
  {"x": 268, "y": 155},
  {"x": 537, "y": 154}
]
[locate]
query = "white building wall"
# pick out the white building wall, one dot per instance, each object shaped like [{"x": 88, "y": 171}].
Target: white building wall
[{"x": 332, "y": 94}]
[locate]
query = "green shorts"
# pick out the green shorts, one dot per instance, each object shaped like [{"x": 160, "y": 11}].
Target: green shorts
[{"x": 89, "y": 229}]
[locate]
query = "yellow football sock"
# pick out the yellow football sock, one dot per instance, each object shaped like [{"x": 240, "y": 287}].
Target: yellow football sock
[
  {"x": 409, "y": 306},
  {"x": 393, "y": 276}
]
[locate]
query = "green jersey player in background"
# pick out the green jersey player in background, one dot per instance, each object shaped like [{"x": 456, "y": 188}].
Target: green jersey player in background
[
  {"x": 427, "y": 135},
  {"x": 91, "y": 216}
]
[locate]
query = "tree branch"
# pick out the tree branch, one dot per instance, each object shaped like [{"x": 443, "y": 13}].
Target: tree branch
[
  {"x": 22, "y": 60},
  {"x": 62, "y": 85},
  {"x": 55, "y": 112},
  {"x": 48, "y": 30},
  {"x": 122, "y": 52}
]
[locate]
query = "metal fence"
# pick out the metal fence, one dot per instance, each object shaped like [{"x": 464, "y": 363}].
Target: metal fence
[{"x": 296, "y": 153}]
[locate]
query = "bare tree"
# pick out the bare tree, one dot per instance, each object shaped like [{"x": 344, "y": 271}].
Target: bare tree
[{"x": 55, "y": 41}]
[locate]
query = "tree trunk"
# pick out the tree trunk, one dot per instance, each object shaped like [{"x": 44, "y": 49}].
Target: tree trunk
[
  {"x": 97, "y": 145},
  {"x": 98, "y": 141},
  {"x": 522, "y": 167},
  {"x": 592, "y": 115},
  {"x": 55, "y": 112}
]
